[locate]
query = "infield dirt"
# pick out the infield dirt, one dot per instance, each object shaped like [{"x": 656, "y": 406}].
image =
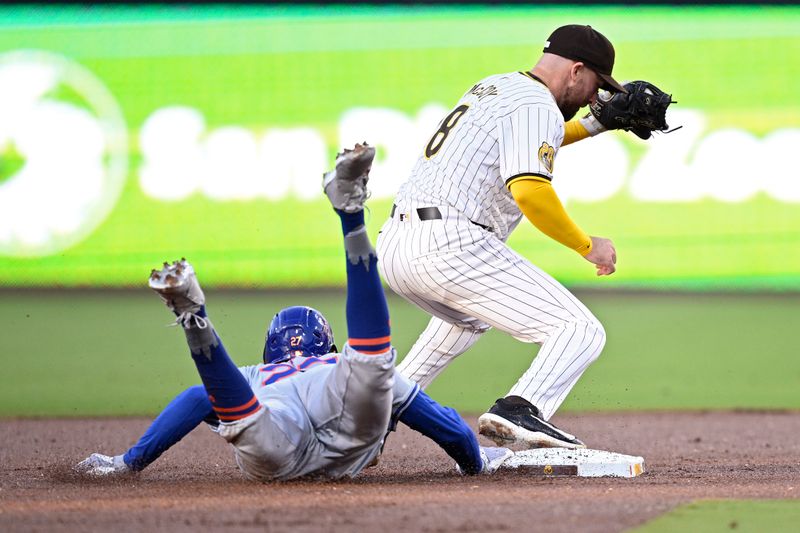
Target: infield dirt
[{"x": 196, "y": 485}]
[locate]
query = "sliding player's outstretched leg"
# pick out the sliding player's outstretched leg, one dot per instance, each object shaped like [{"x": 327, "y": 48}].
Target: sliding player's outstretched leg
[
  {"x": 367, "y": 366},
  {"x": 229, "y": 393},
  {"x": 369, "y": 353},
  {"x": 367, "y": 312}
]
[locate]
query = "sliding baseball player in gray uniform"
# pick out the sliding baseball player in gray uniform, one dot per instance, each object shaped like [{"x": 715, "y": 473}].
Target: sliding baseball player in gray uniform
[
  {"x": 306, "y": 409},
  {"x": 444, "y": 246}
]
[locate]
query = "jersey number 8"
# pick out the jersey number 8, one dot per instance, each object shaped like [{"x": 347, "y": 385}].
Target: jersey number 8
[{"x": 441, "y": 134}]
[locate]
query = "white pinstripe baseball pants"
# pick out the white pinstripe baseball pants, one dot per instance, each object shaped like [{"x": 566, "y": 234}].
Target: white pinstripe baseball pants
[{"x": 470, "y": 280}]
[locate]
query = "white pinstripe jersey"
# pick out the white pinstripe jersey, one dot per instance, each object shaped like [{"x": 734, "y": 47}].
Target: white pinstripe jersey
[{"x": 505, "y": 126}]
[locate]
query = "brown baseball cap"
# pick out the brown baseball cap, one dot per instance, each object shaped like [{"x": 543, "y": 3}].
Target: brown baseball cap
[{"x": 590, "y": 47}]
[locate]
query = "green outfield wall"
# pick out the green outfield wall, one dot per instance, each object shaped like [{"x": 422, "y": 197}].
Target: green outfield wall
[{"x": 131, "y": 135}]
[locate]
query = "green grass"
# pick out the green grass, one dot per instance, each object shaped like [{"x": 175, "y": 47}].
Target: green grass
[
  {"x": 725, "y": 516},
  {"x": 109, "y": 353}
]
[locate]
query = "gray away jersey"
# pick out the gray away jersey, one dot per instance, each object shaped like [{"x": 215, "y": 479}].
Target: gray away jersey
[
  {"x": 505, "y": 126},
  {"x": 307, "y": 425}
]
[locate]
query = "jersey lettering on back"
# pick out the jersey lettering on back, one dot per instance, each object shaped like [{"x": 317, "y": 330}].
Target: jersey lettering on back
[
  {"x": 272, "y": 373},
  {"x": 504, "y": 127}
]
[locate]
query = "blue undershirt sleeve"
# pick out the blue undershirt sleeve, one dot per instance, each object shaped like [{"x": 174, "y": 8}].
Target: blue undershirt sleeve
[
  {"x": 177, "y": 420},
  {"x": 444, "y": 426}
]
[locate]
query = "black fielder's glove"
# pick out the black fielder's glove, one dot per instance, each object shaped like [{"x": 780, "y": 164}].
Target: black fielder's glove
[{"x": 642, "y": 109}]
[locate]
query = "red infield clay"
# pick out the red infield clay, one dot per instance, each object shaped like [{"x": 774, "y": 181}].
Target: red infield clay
[{"x": 196, "y": 485}]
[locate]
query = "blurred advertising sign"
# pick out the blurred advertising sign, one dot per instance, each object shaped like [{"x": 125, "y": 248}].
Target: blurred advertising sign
[{"x": 129, "y": 135}]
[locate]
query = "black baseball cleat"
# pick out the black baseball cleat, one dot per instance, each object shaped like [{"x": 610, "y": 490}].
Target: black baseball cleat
[{"x": 514, "y": 420}]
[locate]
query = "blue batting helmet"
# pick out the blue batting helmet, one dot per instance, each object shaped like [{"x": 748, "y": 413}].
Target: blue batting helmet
[{"x": 297, "y": 330}]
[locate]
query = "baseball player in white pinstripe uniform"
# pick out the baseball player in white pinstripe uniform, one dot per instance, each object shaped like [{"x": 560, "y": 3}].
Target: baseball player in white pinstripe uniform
[{"x": 444, "y": 247}]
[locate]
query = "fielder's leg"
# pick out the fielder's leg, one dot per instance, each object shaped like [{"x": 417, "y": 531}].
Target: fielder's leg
[
  {"x": 436, "y": 347},
  {"x": 533, "y": 307},
  {"x": 421, "y": 260}
]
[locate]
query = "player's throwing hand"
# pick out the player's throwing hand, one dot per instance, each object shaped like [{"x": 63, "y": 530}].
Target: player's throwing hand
[{"x": 603, "y": 255}]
